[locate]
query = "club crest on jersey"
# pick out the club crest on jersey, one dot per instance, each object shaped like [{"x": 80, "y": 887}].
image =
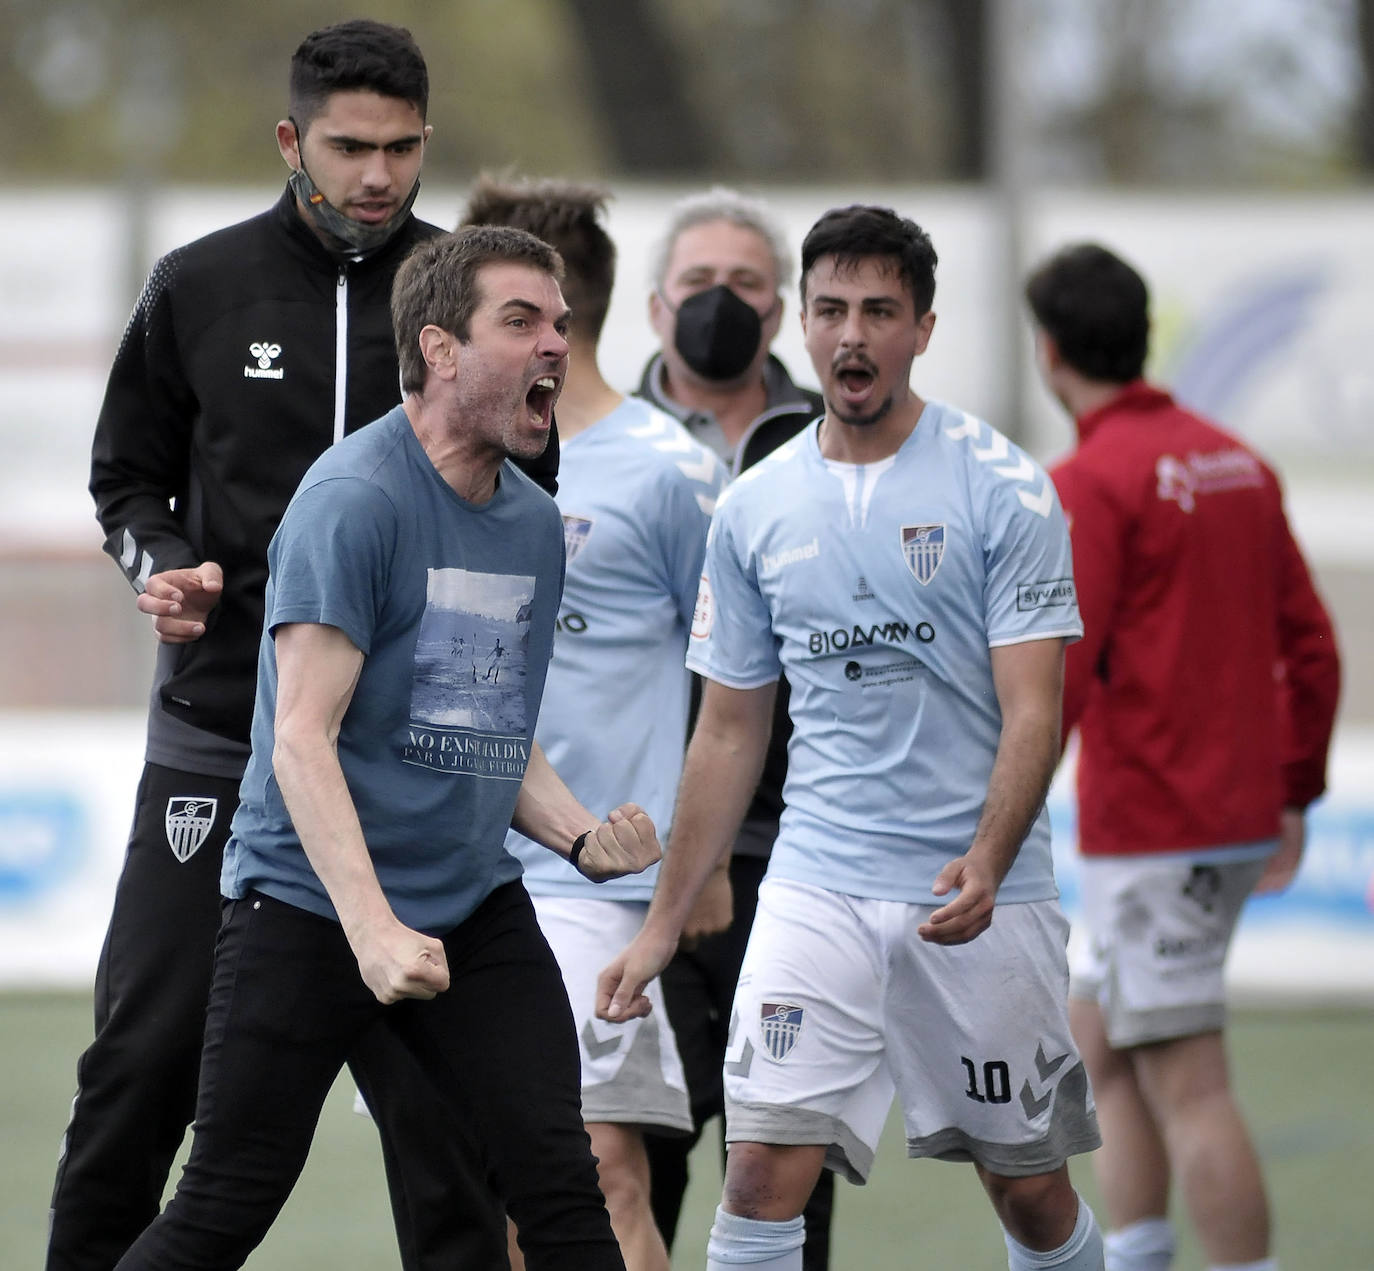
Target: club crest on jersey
[
  {"x": 576, "y": 530},
  {"x": 188, "y": 821},
  {"x": 780, "y": 1023},
  {"x": 923, "y": 547}
]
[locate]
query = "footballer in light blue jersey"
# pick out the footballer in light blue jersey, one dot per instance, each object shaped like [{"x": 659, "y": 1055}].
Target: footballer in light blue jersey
[
  {"x": 879, "y": 589},
  {"x": 636, "y": 493},
  {"x": 909, "y": 571}
]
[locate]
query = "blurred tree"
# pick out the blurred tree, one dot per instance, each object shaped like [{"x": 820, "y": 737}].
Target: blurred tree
[
  {"x": 748, "y": 90},
  {"x": 824, "y": 89},
  {"x": 1364, "y": 108},
  {"x": 967, "y": 32},
  {"x": 507, "y": 84},
  {"x": 1161, "y": 91},
  {"x": 638, "y": 81},
  {"x": 1195, "y": 92}
]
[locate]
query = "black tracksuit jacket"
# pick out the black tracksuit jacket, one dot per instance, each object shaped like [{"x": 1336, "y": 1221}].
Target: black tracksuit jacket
[{"x": 249, "y": 352}]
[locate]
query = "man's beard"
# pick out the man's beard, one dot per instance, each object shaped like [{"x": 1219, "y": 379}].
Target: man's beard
[{"x": 861, "y": 421}]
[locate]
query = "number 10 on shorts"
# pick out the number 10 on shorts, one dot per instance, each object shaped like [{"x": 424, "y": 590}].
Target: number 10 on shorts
[{"x": 995, "y": 1079}]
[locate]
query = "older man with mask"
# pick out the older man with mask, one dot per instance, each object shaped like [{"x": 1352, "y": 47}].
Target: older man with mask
[{"x": 717, "y": 307}]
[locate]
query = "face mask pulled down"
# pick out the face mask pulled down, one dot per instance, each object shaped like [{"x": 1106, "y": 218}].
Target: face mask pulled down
[
  {"x": 717, "y": 333},
  {"x": 352, "y": 238}
]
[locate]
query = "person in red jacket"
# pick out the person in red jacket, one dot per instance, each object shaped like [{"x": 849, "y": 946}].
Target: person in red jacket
[{"x": 1204, "y": 693}]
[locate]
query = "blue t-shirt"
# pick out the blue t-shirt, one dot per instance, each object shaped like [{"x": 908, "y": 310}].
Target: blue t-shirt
[
  {"x": 453, "y": 605},
  {"x": 636, "y": 493},
  {"x": 880, "y": 589}
]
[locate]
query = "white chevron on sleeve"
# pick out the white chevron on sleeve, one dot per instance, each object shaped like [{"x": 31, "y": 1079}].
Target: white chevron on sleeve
[
  {"x": 1022, "y": 470},
  {"x": 1040, "y": 503},
  {"x": 677, "y": 443},
  {"x": 997, "y": 450},
  {"x": 969, "y": 428},
  {"x": 653, "y": 428},
  {"x": 703, "y": 470}
]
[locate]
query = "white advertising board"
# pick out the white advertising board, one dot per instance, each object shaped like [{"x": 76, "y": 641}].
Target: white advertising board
[{"x": 66, "y": 795}]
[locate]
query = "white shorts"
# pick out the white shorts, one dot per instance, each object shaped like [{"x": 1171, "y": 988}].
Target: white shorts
[
  {"x": 841, "y": 1004},
  {"x": 1158, "y": 931},
  {"x": 631, "y": 1073}
]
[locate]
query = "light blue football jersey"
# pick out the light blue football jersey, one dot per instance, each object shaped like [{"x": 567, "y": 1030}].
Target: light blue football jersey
[
  {"x": 636, "y": 493},
  {"x": 880, "y": 589}
]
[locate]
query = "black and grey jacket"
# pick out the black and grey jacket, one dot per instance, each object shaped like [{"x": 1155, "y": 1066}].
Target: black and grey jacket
[
  {"x": 249, "y": 352},
  {"x": 788, "y": 411}
]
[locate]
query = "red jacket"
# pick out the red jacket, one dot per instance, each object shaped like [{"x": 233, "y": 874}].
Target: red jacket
[{"x": 1205, "y": 686}]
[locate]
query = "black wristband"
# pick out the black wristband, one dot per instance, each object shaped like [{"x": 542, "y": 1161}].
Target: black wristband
[{"x": 578, "y": 844}]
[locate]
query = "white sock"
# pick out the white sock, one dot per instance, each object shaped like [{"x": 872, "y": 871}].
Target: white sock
[
  {"x": 1146, "y": 1245},
  {"x": 1264, "y": 1264},
  {"x": 765, "y": 1246},
  {"x": 1082, "y": 1251}
]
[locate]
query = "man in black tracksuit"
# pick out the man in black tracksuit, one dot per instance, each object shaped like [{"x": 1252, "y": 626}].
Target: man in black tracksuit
[
  {"x": 250, "y": 351},
  {"x": 716, "y": 308}
]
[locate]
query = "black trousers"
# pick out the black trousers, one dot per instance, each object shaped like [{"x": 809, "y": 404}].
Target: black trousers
[
  {"x": 699, "y": 990},
  {"x": 136, "y": 1082},
  {"x": 287, "y": 1005}
]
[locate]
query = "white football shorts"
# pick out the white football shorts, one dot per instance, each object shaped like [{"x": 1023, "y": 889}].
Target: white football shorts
[
  {"x": 841, "y": 1004},
  {"x": 631, "y": 1073},
  {"x": 1158, "y": 930}
]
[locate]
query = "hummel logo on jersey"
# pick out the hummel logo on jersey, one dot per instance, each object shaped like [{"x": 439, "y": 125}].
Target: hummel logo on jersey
[
  {"x": 807, "y": 551},
  {"x": 780, "y": 1023},
  {"x": 264, "y": 353},
  {"x": 923, "y": 548},
  {"x": 188, "y": 822},
  {"x": 576, "y": 530}
]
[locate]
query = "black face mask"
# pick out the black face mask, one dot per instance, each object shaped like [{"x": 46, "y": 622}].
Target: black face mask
[{"x": 717, "y": 333}]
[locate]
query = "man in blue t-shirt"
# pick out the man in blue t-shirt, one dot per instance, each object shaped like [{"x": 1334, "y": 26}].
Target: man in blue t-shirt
[
  {"x": 908, "y": 570},
  {"x": 413, "y": 588}
]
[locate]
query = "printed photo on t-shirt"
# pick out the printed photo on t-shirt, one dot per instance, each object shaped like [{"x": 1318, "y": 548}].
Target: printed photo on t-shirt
[{"x": 467, "y": 701}]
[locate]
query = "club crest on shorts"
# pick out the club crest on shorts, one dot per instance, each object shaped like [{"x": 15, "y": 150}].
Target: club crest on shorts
[
  {"x": 923, "y": 547},
  {"x": 576, "y": 530},
  {"x": 188, "y": 821},
  {"x": 780, "y": 1023}
]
